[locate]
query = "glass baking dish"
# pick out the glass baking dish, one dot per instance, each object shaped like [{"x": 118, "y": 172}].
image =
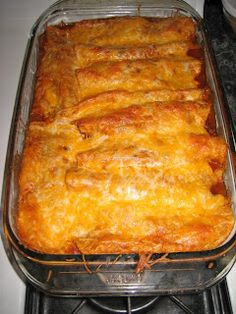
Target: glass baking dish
[{"x": 82, "y": 275}]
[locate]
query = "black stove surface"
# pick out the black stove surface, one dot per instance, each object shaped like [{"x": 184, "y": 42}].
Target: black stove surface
[
  {"x": 211, "y": 301},
  {"x": 223, "y": 43}
]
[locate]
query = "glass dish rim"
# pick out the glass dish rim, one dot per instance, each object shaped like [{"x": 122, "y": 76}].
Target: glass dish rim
[{"x": 45, "y": 258}]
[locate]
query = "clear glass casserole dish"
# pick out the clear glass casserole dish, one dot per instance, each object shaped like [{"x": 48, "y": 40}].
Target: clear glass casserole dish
[{"x": 110, "y": 274}]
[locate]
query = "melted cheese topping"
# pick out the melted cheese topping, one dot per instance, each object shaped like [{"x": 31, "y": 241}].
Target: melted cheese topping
[
  {"x": 138, "y": 75},
  {"x": 124, "y": 31},
  {"x": 87, "y": 54},
  {"x": 118, "y": 158}
]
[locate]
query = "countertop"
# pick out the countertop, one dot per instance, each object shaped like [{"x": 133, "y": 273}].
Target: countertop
[
  {"x": 223, "y": 42},
  {"x": 16, "y": 20}
]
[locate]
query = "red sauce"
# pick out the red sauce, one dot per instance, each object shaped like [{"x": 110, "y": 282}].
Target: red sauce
[
  {"x": 219, "y": 188},
  {"x": 210, "y": 124}
]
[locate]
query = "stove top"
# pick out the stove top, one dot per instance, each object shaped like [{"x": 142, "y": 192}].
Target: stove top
[{"x": 212, "y": 301}]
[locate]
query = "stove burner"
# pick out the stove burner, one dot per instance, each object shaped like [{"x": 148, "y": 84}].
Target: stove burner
[
  {"x": 211, "y": 301},
  {"x": 125, "y": 304}
]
